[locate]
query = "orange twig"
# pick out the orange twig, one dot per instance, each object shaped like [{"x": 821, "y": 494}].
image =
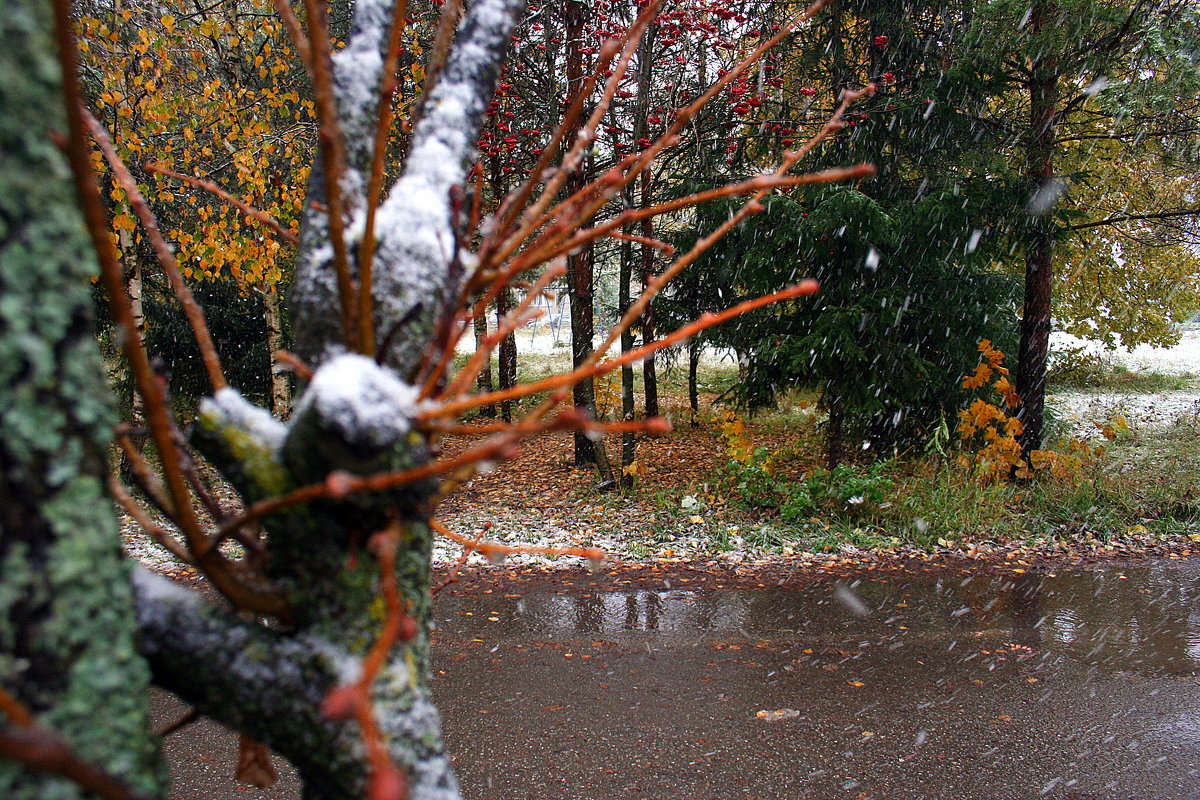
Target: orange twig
[
  {"x": 254, "y": 213},
  {"x": 513, "y": 320},
  {"x": 41, "y": 750},
  {"x": 578, "y": 216},
  {"x": 447, "y": 22},
  {"x": 636, "y": 309},
  {"x": 147, "y": 479},
  {"x": 590, "y": 370},
  {"x": 366, "y": 248},
  {"x": 149, "y": 526},
  {"x": 341, "y": 484},
  {"x": 534, "y": 219},
  {"x": 333, "y": 159},
  {"x": 161, "y": 429},
  {"x": 649, "y": 241},
  {"x": 654, "y": 426},
  {"x": 303, "y": 48},
  {"x": 166, "y": 256},
  {"x": 294, "y": 363},
  {"x": 492, "y": 549},
  {"x": 397, "y": 626},
  {"x": 17, "y": 712},
  {"x": 757, "y": 183},
  {"x": 354, "y": 700}
]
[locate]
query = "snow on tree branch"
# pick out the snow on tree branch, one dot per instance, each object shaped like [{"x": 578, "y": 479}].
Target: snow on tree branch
[
  {"x": 271, "y": 685},
  {"x": 411, "y": 273}
]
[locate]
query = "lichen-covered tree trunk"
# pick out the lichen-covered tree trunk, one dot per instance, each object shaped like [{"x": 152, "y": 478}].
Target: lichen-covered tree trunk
[
  {"x": 356, "y": 418},
  {"x": 67, "y": 631},
  {"x": 68, "y": 607}
]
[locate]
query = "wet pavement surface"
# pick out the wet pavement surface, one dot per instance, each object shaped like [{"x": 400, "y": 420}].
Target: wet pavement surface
[{"x": 1063, "y": 683}]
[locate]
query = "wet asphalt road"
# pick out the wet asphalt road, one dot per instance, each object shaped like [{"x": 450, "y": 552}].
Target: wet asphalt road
[{"x": 1070, "y": 684}]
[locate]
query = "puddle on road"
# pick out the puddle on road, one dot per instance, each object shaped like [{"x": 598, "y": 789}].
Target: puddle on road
[{"x": 1137, "y": 618}]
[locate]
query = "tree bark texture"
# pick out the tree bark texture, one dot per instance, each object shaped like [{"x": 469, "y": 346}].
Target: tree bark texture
[
  {"x": 1039, "y": 254},
  {"x": 67, "y": 633},
  {"x": 69, "y": 611},
  {"x": 580, "y": 264},
  {"x": 628, "y": 439},
  {"x": 484, "y": 382},
  {"x": 641, "y": 131},
  {"x": 507, "y": 354},
  {"x": 649, "y": 371},
  {"x": 281, "y": 382},
  {"x": 414, "y": 277}
]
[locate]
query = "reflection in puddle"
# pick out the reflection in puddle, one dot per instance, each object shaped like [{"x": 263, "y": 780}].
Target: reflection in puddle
[{"x": 1134, "y": 618}]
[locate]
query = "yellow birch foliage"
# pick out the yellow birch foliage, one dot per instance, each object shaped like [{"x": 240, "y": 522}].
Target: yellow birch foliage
[{"x": 219, "y": 94}]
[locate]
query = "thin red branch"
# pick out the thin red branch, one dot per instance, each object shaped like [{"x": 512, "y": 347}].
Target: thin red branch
[
  {"x": 492, "y": 550},
  {"x": 17, "y": 712},
  {"x": 590, "y": 370},
  {"x": 39, "y": 749},
  {"x": 649, "y": 241},
  {"x": 757, "y": 183},
  {"x": 299, "y": 40},
  {"x": 149, "y": 526},
  {"x": 43, "y": 751},
  {"x": 397, "y": 626},
  {"x": 164, "y": 252},
  {"x": 333, "y": 161},
  {"x": 447, "y": 23},
  {"x": 636, "y": 309},
  {"x": 578, "y": 216},
  {"x": 513, "y": 320},
  {"x": 501, "y": 447},
  {"x": 366, "y": 249},
  {"x": 147, "y": 478},
  {"x": 161, "y": 429},
  {"x": 654, "y": 426},
  {"x": 250, "y": 211},
  {"x": 294, "y": 363},
  {"x": 535, "y": 215}
]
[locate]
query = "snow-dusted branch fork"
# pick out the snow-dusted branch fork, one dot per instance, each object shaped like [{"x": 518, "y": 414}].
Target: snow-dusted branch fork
[
  {"x": 411, "y": 278},
  {"x": 339, "y": 499}
]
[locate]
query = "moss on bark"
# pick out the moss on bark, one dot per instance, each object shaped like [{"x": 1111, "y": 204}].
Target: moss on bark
[{"x": 67, "y": 631}]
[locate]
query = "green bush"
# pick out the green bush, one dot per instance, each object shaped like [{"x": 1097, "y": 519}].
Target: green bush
[{"x": 843, "y": 491}]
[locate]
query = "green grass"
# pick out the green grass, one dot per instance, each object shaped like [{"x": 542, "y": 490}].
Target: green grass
[
  {"x": 1101, "y": 374},
  {"x": 1145, "y": 478}
]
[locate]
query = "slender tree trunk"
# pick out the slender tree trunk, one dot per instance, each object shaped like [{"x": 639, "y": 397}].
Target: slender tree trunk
[
  {"x": 835, "y": 432},
  {"x": 649, "y": 371},
  {"x": 133, "y": 285},
  {"x": 1039, "y": 254},
  {"x": 484, "y": 381},
  {"x": 693, "y": 381},
  {"x": 508, "y": 354},
  {"x": 641, "y": 134},
  {"x": 281, "y": 385},
  {"x": 628, "y": 439},
  {"x": 581, "y": 264}
]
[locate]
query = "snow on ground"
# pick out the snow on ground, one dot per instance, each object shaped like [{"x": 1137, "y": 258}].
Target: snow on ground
[
  {"x": 596, "y": 528},
  {"x": 1182, "y": 358},
  {"x": 1080, "y": 408}
]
